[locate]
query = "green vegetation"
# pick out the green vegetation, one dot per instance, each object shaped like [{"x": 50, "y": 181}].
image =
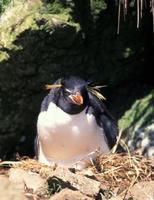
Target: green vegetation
[
  {"x": 3, "y": 55},
  {"x": 96, "y": 7},
  {"x": 15, "y": 25},
  {"x": 60, "y": 8},
  {"x": 3, "y": 5},
  {"x": 107, "y": 192},
  {"x": 140, "y": 113},
  {"x": 54, "y": 186}
]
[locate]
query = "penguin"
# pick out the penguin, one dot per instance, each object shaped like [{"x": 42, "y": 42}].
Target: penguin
[{"x": 73, "y": 124}]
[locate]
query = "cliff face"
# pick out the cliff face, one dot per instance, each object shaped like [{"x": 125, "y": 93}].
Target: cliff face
[
  {"x": 35, "y": 49},
  {"x": 39, "y": 42}
]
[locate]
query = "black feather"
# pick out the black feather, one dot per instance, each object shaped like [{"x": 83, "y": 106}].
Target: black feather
[{"x": 104, "y": 119}]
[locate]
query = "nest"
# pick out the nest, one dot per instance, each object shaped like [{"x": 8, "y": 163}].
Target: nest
[
  {"x": 31, "y": 165},
  {"x": 123, "y": 170},
  {"x": 120, "y": 170}
]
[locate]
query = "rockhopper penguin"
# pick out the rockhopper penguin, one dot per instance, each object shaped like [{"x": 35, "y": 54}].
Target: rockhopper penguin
[{"x": 73, "y": 123}]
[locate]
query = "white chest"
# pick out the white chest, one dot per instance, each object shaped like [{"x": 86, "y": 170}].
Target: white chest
[{"x": 65, "y": 137}]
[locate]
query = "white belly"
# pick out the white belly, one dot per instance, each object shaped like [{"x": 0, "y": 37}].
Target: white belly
[{"x": 66, "y": 138}]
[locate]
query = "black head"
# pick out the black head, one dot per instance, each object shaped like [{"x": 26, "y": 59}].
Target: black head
[{"x": 71, "y": 95}]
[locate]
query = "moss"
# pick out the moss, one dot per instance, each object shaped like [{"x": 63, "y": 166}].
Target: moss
[
  {"x": 3, "y": 56},
  {"x": 128, "y": 52},
  {"x": 96, "y": 7},
  {"x": 13, "y": 24},
  {"x": 4, "y": 5},
  {"x": 140, "y": 113},
  {"x": 60, "y": 8},
  {"x": 28, "y": 18}
]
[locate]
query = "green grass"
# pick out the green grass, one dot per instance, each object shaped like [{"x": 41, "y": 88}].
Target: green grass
[
  {"x": 139, "y": 114},
  {"x": 106, "y": 192},
  {"x": 54, "y": 186}
]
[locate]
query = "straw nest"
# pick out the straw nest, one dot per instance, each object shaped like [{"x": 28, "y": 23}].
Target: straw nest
[
  {"x": 120, "y": 170},
  {"x": 123, "y": 170}
]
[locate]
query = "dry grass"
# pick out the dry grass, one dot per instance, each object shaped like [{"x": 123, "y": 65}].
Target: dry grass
[
  {"x": 140, "y": 4},
  {"x": 123, "y": 170},
  {"x": 31, "y": 165},
  {"x": 120, "y": 170}
]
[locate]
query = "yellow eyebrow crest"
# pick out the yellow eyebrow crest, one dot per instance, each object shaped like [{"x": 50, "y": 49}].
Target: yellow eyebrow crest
[
  {"x": 53, "y": 86},
  {"x": 95, "y": 90}
]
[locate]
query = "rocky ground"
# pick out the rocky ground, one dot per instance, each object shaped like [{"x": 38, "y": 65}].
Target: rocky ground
[{"x": 116, "y": 177}]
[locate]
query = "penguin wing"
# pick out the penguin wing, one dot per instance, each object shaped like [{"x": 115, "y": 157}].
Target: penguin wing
[
  {"x": 104, "y": 119},
  {"x": 44, "y": 107},
  {"x": 36, "y": 146}
]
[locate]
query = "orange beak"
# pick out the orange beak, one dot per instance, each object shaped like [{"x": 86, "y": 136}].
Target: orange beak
[{"x": 78, "y": 99}]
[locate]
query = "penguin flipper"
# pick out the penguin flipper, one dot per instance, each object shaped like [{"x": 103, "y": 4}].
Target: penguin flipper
[
  {"x": 36, "y": 146},
  {"x": 110, "y": 128},
  {"x": 104, "y": 119}
]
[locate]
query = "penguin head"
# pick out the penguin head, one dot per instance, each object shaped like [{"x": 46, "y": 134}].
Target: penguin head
[{"x": 71, "y": 94}]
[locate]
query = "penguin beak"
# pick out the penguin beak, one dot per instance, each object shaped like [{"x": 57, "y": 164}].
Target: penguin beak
[{"x": 78, "y": 99}]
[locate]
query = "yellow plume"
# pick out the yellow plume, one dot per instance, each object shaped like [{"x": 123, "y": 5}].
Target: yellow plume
[
  {"x": 96, "y": 91},
  {"x": 53, "y": 86}
]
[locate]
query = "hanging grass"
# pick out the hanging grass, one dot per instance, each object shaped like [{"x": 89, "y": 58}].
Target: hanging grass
[{"x": 140, "y": 4}]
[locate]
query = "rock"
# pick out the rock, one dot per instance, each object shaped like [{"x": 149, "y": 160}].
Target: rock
[
  {"x": 143, "y": 138},
  {"x": 16, "y": 176},
  {"x": 142, "y": 190},
  {"x": 68, "y": 179},
  {"x": 8, "y": 191},
  {"x": 22, "y": 179},
  {"x": 116, "y": 198},
  {"x": 70, "y": 195},
  {"x": 60, "y": 34}
]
